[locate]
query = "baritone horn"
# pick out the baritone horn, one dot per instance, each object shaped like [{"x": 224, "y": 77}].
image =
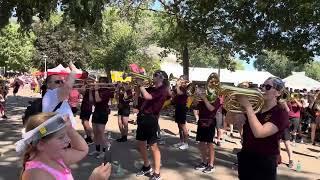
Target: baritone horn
[
  {"x": 230, "y": 94},
  {"x": 147, "y": 81}
]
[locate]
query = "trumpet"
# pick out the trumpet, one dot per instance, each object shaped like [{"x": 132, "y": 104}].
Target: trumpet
[
  {"x": 147, "y": 81},
  {"x": 231, "y": 103}
]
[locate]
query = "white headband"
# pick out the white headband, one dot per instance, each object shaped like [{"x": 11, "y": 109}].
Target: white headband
[{"x": 50, "y": 126}]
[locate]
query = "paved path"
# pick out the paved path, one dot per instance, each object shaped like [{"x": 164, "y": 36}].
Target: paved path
[{"x": 176, "y": 164}]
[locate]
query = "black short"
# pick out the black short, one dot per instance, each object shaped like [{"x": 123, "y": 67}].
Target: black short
[
  {"x": 85, "y": 115},
  {"x": 124, "y": 110},
  {"x": 100, "y": 117},
  {"x": 286, "y": 135},
  {"x": 147, "y": 129},
  {"x": 205, "y": 134},
  {"x": 294, "y": 124},
  {"x": 74, "y": 110},
  {"x": 180, "y": 113},
  {"x": 252, "y": 166}
]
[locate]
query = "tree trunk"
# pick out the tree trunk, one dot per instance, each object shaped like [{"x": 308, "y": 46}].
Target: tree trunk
[
  {"x": 108, "y": 72},
  {"x": 185, "y": 61}
]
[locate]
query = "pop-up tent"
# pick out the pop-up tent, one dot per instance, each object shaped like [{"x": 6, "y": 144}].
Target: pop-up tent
[
  {"x": 63, "y": 71},
  {"x": 298, "y": 80}
]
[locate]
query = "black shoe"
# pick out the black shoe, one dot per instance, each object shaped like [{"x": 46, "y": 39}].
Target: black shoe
[
  {"x": 209, "y": 169},
  {"x": 290, "y": 165},
  {"x": 314, "y": 143},
  {"x": 4, "y": 117},
  {"x": 155, "y": 177},
  {"x": 123, "y": 139},
  {"x": 89, "y": 140},
  {"x": 144, "y": 170},
  {"x": 200, "y": 166}
]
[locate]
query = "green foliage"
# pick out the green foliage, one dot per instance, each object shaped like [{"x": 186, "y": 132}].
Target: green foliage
[
  {"x": 312, "y": 70},
  {"x": 16, "y": 49},
  {"x": 122, "y": 43},
  {"x": 60, "y": 43},
  {"x": 277, "y": 64}
]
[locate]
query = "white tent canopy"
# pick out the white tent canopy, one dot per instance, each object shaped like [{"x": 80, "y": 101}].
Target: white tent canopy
[
  {"x": 298, "y": 80},
  {"x": 201, "y": 74}
]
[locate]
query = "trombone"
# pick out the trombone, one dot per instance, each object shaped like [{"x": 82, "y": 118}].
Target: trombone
[{"x": 109, "y": 86}]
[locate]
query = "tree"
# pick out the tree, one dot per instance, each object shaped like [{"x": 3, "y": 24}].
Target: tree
[
  {"x": 277, "y": 64},
  {"x": 16, "y": 49},
  {"x": 122, "y": 42},
  {"x": 312, "y": 70},
  {"x": 60, "y": 43}
]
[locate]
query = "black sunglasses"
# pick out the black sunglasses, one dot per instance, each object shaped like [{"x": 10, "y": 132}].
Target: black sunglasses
[
  {"x": 267, "y": 86},
  {"x": 58, "y": 82}
]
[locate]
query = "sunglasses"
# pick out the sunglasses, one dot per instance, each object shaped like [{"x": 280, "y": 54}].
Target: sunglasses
[
  {"x": 58, "y": 82},
  {"x": 267, "y": 86}
]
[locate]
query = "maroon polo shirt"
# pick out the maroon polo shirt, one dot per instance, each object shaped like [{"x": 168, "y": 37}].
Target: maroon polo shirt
[
  {"x": 154, "y": 106},
  {"x": 105, "y": 96},
  {"x": 268, "y": 145},
  {"x": 121, "y": 97},
  {"x": 86, "y": 105},
  {"x": 181, "y": 99},
  {"x": 207, "y": 117}
]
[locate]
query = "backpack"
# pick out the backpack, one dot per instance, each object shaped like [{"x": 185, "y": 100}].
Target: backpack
[{"x": 34, "y": 108}]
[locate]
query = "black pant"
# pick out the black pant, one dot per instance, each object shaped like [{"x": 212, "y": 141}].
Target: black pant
[{"x": 253, "y": 166}]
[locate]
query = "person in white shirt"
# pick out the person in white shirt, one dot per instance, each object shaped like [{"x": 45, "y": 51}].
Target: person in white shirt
[{"x": 58, "y": 91}]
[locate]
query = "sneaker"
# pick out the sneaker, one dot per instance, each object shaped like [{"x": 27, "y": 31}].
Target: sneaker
[
  {"x": 200, "y": 167},
  {"x": 88, "y": 140},
  {"x": 93, "y": 153},
  {"x": 184, "y": 146},
  {"x": 209, "y": 169},
  {"x": 155, "y": 177},
  {"x": 144, "y": 170},
  {"x": 100, "y": 155},
  {"x": 293, "y": 144},
  {"x": 4, "y": 117},
  {"x": 178, "y": 145},
  {"x": 314, "y": 143},
  {"x": 123, "y": 139},
  {"x": 290, "y": 165}
]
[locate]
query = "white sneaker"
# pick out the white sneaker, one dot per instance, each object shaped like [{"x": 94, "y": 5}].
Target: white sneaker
[
  {"x": 100, "y": 155},
  {"x": 93, "y": 153},
  {"x": 184, "y": 146},
  {"x": 178, "y": 145}
]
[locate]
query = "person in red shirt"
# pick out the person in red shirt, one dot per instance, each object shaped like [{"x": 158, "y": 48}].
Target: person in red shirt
[
  {"x": 261, "y": 133},
  {"x": 74, "y": 98},
  {"x": 124, "y": 98},
  {"x": 180, "y": 100},
  {"x": 295, "y": 107},
  {"x": 206, "y": 131},
  {"x": 100, "y": 115},
  {"x": 147, "y": 121}
]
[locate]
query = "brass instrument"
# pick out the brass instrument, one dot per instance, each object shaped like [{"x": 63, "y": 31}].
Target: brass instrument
[
  {"x": 147, "y": 81},
  {"x": 230, "y": 93},
  {"x": 209, "y": 90},
  {"x": 110, "y": 86}
]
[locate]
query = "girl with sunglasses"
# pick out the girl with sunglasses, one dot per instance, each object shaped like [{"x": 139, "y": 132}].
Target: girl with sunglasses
[
  {"x": 261, "y": 133},
  {"x": 147, "y": 121}
]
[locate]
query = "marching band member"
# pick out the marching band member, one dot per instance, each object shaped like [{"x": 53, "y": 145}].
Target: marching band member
[
  {"x": 180, "y": 100},
  {"x": 124, "y": 98},
  {"x": 314, "y": 113},
  {"x": 206, "y": 132},
  {"x": 100, "y": 115},
  {"x": 86, "y": 111},
  {"x": 147, "y": 121},
  {"x": 261, "y": 133}
]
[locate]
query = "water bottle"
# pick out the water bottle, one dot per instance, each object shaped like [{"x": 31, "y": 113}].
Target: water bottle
[
  {"x": 298, "y": 169},
  {"x": 107, "y": 153}
]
